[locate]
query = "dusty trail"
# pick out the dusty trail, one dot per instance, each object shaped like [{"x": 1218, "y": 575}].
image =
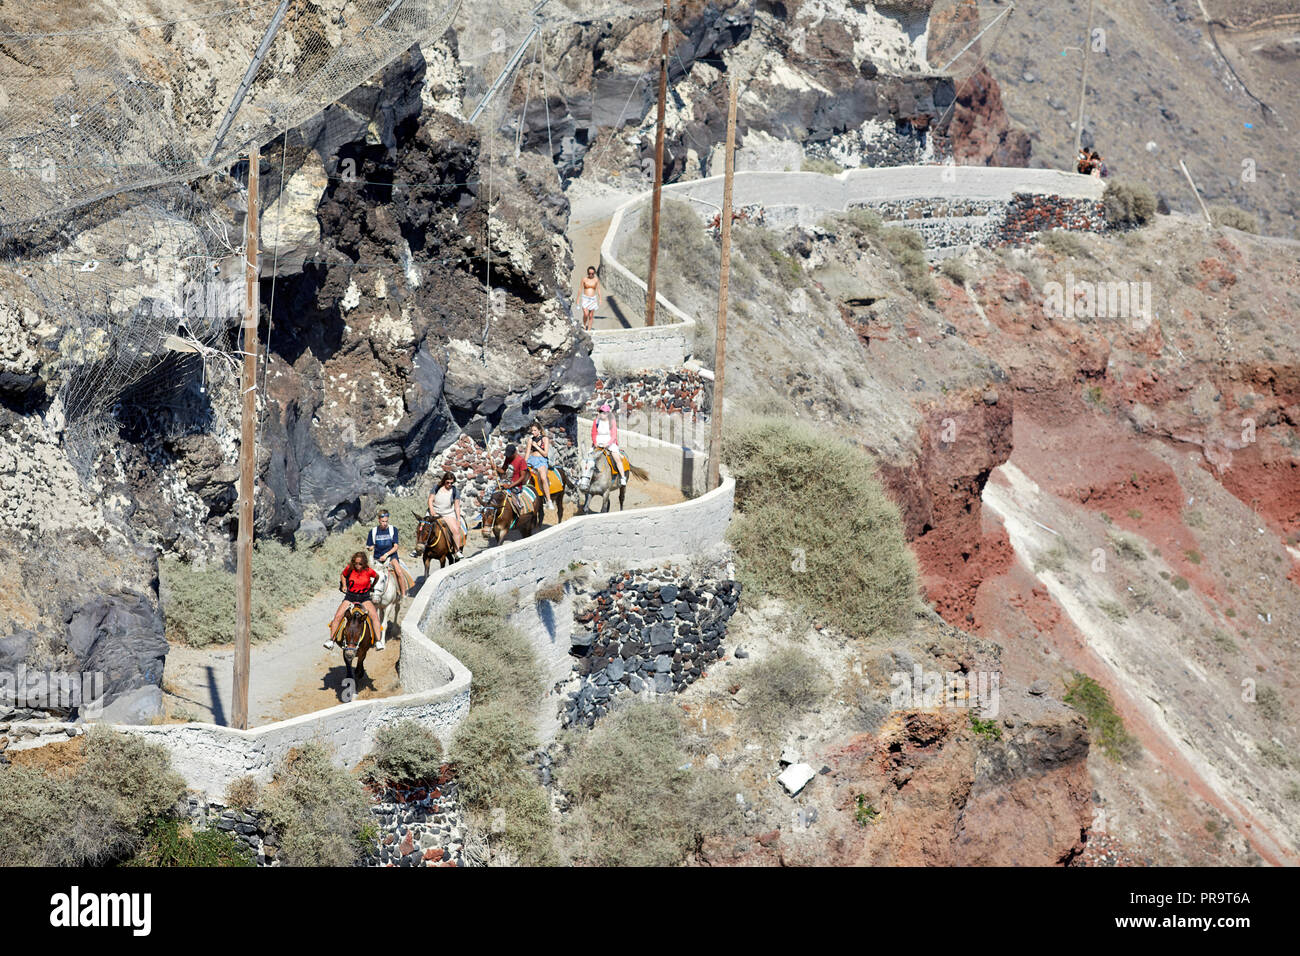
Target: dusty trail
[{"x": 295, "y": 674}]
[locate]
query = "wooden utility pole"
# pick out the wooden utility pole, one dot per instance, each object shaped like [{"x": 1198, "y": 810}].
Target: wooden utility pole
[
  {"x": 1209, "y": 220},
  {"x": 659, "y": 169},
  {"x": 247, "y": 453},
  {"x": 1083, "y": 89},
  {"x": 720, "y": 350}
]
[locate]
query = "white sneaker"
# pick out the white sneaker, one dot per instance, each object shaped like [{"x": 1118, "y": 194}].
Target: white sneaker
[
  {"x": 379, "y": 646},
  {"x": 329, "y": 642}
]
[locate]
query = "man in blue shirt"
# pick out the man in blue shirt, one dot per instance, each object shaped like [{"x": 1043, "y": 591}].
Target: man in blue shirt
[{"x": 382, "y": 541}]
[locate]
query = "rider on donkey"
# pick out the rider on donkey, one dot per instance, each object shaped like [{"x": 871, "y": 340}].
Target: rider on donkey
[
  {"x": 444, "y": 505},
  {"x": 356, "y": 581},
  {"x": 382, "y": 540},
  {"x": 537, "y": 453},
  {"x": 515, "y": 472},
  {"x": 604, "y": 434}
]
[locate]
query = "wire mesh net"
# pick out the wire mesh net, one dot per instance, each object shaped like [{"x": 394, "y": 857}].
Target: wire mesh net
[
  {"x": 108, "y": 108},
  {"x": 104, "y": 111},
  {"x": 105, "y": 108}
]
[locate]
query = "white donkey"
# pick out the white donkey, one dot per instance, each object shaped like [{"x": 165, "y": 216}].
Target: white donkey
[{"x": 387, "y": 596}]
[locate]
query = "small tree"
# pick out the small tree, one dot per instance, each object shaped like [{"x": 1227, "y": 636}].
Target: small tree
[{"x": 1126, "y": 206}]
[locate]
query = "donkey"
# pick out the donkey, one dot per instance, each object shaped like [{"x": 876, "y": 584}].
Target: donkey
[
  {"x": 498, "y": 516},
  {"x": 355, "y": 641},
  {"x": 599, "y": 480},
  {"x": 387, "y": 597},
  {"x": 434, "y": 540}
]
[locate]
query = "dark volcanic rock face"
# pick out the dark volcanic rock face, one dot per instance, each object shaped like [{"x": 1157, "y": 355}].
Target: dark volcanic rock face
[
  {"x": 385, "y": 224},
  {"x": 384, "y": 344}
]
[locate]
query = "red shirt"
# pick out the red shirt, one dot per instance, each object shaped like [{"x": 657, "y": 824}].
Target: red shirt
[
  {"x": 517, "y": 468},
  {"x": 359, "y": 582}
]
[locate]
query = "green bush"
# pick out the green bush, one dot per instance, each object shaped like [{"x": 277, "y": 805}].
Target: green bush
[
  {"x": 636, "y": 799},
  {"x": 781, "y": 688},
  {"x": 502, "y": 660},
  {"x": 805, "y": 496},
  {"x": 1105, "y": 724},
  {"x": 985, "y": 727},
  {"x": 407, "y": 752},
  {"x": 95, "y": 812},
  {"x": 489, "y": 755},
  {"x": 1235, "y": 218},
  {"x": 319, "y": 811},
  {"x": 170, "y": 842},
  {"x": 1128, "y": 205}
]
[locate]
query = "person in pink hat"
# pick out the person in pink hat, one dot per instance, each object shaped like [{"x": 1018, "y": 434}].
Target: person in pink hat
[{"x": 604, "y": 434}]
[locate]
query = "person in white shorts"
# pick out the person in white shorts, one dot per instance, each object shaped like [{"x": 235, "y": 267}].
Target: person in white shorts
[{"x": 590, "y": 297}]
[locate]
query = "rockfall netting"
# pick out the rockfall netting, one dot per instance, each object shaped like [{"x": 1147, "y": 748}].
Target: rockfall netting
[{"x": 106, "y": 110}]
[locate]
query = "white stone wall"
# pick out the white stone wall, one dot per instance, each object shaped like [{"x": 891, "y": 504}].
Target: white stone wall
[
  {"x": 210, "y": 757},
  {"x": 798, "y": 198},
  {"x": 674, "y": 464},
  {"x": 642, "y": 537},
  {"x": 666, "y": 344}
]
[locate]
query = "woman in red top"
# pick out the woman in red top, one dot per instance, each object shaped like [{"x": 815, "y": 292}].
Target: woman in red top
[{"x": 356, "y": 581}]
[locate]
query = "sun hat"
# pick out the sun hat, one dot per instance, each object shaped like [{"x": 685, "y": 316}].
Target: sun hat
[{"x": 605, "y": 407}]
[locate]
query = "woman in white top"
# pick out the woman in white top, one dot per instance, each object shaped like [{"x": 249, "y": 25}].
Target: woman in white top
[
  {"x": 604, "y": 434},
  {"x": 444, "y": 504}
]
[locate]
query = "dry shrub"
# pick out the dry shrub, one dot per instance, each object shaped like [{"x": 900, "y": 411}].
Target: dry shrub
[
  {"x": 243, "y": 792},
  {"x": 503, "y": 662},
  {"x": 1235, "y": 218},
  {"x": 635, "y": 801},
  {"x": 1126, "y": 206},
  {"x": 490, "y": 749},
  {"x": 803, "y": 495},
  {"x": 781, "y": 688},
  {"x": 96, "y": 814},
  {"x": 489, "y": 755},
  {"x": 407, "y": 752},
  {"x": 1064, "y": 243},
  {"x": 318, "y": 810}
]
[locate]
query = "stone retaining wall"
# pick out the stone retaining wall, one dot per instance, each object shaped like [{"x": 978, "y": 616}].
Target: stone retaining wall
[
  {"x": 641, "y": 537},
  {"x": 209, "y": 757},
  {"x": 666, "y": 344}
]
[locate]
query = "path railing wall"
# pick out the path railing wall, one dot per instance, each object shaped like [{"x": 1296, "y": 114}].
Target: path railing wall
[{"x": 954, "y": 208}]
